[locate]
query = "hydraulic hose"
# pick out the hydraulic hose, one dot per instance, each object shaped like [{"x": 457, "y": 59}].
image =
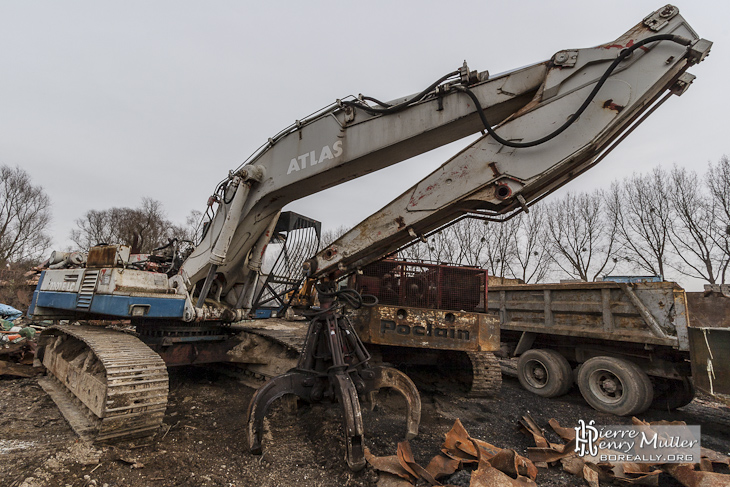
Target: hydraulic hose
[
  {"x": 376, "y": 101},
  {"x": 388, "y": 109},
  {"x": 399, "y": 106},
  {"x": 350, "y": 297},
  {"x": 623, "y": 55}
]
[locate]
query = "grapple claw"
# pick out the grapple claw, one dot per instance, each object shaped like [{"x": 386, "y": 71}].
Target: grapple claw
[
  {"x": 352, "y": 417},
  {"x": 334, "y": 364},
  {"x": 289, "y": 383},
  {"x": 377, "y": 378}
]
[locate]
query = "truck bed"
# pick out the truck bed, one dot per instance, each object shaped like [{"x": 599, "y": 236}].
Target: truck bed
[{"x": 647, "y": 313}]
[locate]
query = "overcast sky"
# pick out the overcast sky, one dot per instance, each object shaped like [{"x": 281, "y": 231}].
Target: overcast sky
[{"x": 105, "y": 103}]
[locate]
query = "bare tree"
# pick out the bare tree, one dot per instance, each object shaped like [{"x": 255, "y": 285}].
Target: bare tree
[
  {"x": 15, "y": 290},
  {"x": 94, "y": 228},
  {"x": 641, "y": 209},
  {"x": 467, "y": 242},
  {"x": 143, "y": 228},
  {"x": 471, "y": 240},
  {"x": 694, "y": 228},
  {"x": 532, "y": 259},
  {"x": 499, "y": 250},
  {"x": 24, "y": 217},
  {"x": 416, "y": 252},
  {"x": 193, "y": 226},
  {"x": 190, "y": 231},
  {"x": 440, "y": 247},
  {"x": 718, "y": 180},
  {"x": 582, "y": 235}
]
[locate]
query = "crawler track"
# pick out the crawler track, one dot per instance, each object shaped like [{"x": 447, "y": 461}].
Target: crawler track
[
  {"x": 120, "y": 383},
  {"x": 486, "y": 374}
]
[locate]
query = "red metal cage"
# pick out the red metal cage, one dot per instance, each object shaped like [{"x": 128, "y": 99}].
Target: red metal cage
[{"x": 423, "y": 285}]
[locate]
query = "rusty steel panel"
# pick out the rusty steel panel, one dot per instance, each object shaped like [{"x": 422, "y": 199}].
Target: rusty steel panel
[
  {"x": 709, "y": 338},
  {"x": 131, "y": 281},
  {"x": 652, "y": 313},
  {"x": 710, "y": 349},
  {"x": 195, "y": 353},
  {"x": 708, "y": 310},
  {"x": 102, "y": 256},
  {"x": 427, "y": 328}
]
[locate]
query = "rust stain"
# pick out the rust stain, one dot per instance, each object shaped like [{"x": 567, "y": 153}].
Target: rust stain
[
  {"x": 415, "y": 199},
  {"x": 612, "y": 106},
  {"x": 401, "y": 222},
  {"x": 495, "y": 171},
  {"x": 628, "y": 44},
  {"x": 389, "y": 464}
]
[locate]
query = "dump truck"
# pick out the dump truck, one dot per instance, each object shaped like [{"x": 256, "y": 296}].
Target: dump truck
[{"x": 625, "y": 344}]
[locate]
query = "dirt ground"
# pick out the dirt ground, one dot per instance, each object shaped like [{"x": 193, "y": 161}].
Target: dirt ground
[{"x": 203, "y": 439}]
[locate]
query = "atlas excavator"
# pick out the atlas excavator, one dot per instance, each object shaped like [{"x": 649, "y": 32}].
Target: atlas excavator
[{"x": 541, "y": 126}]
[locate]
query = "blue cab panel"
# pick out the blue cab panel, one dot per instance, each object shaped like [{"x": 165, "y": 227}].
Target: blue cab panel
[{"x": 110, "y": 305}]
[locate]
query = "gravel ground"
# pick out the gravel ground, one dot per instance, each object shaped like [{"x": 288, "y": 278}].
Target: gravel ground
[{"x": 202, "y": 441}]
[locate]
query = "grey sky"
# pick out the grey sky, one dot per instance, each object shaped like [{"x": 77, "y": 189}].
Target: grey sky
[{"x": 105, "y": 103}]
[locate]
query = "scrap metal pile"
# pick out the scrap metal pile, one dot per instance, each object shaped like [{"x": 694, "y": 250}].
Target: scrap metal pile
[
  {"x": 17, "y": 343},
  {"x": 702, "y": 474},
  {"x": 494, "y": 465},
  {"x": 486, "y": 465}
]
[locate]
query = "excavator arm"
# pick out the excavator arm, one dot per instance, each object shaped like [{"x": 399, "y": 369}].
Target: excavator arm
[
  {"x": 338, "y": 144},
  {"x": 596, "y": 95},
  {"x": 581, "y": 103},
  {"x": 543, "y": 125}
]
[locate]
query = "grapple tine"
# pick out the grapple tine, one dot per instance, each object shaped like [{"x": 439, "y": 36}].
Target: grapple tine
[
  {"x": 354, "y": 431},
  {"x": 289, "y": 383},
  {"x": 395, "y": 379}
]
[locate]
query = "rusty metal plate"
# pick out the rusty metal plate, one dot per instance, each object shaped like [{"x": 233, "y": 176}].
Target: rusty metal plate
[
  {"x": 708, "y": 310},
  {"x": 102, "y": 256},
  {"x": 427, "y": 328},
  {"x": 709, "y": 349},
  {"x": 195, "y": 353}
]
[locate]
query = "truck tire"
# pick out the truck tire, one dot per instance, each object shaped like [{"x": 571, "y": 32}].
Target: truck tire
[
  {"x": 544, "y": 372},
  {"x": 671, "y": 394},
  {"x": 616, "y": 386}
]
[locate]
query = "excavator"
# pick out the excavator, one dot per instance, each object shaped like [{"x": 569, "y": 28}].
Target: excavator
[{"x": 541, "y": 126}]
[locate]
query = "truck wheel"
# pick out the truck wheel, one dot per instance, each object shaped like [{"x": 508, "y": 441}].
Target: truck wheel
[
  {"x": 545, "y": 372},
  {"x": 671, "y": 394},
  {"x": 616, "y": 386}
]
